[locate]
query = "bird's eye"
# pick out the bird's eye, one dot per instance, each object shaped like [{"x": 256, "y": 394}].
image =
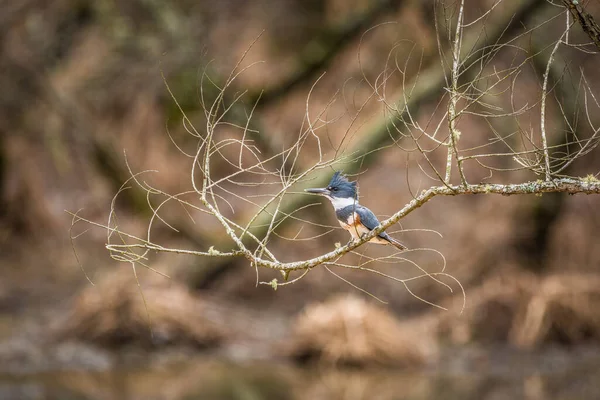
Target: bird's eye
[{"x": 334, "y": 189}]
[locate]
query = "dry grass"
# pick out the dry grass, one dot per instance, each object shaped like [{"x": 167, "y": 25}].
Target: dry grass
[
  {"x": 348, "y": 330},
  {"x": 529, "y": 311},
  {"x": 562, "y": 309},
  {"x": 113, "y": 314}
]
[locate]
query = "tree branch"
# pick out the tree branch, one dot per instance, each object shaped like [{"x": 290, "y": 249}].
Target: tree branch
[
  {"x": 588, "y": 185},
  {"x": 425, "y": 88},
  {"x": 585, "y": 20}
]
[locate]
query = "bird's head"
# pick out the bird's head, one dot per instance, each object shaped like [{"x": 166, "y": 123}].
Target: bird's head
[{"x": 339, "y": 188}]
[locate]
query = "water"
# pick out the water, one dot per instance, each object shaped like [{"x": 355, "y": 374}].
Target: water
[{"x": 465, "y": 375}]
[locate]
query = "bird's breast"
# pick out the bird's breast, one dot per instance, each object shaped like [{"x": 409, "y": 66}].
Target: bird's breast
[
  {"x": 353, "y": 225},
  {"x": 349, "y": 220}
]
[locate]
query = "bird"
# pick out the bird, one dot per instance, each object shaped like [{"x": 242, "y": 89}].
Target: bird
[{"x": 353, "y": 217}]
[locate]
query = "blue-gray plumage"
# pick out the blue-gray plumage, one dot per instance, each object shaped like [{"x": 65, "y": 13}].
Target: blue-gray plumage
[{"x": 356, "y": 219}]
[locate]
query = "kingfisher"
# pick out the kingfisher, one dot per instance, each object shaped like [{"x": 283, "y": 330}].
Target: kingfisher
[{"x": 356, "y": 219}]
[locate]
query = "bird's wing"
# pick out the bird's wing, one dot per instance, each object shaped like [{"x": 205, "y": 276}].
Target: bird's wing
[
  {"x": 367, "y": 218},
  {"x": 370, "y": 221}
]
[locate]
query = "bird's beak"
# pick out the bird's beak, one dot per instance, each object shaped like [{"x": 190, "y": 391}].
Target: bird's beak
[{"x": 321, "y": 191}]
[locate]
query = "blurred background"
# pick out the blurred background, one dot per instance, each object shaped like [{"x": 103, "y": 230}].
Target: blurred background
[{"x": 82, "y": 85}]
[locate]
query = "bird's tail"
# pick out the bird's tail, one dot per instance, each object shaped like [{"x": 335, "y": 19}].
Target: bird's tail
[{"x": 397, "y": 244}]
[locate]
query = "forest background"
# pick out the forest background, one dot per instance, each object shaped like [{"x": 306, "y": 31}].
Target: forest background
[{"x": 93, "y": 91}]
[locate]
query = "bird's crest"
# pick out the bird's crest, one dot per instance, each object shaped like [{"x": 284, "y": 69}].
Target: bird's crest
[{"x": 338, "y": 180}]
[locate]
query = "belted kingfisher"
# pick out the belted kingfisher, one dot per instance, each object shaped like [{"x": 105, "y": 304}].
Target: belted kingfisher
[{"x": 356, "y": 219}]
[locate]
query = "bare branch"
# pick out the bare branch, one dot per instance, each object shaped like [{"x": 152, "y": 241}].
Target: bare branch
[
  {"x": 249, "y": 194},
  {"x": 585, "y": 20}
]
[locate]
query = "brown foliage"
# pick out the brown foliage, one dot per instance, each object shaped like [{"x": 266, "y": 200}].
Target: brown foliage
[
  {"x": 351, "y": 331},
  {"x": 113, "y": 314},
  {"x": 82, "y": 84},
  {"x": 528, "y": 311}
]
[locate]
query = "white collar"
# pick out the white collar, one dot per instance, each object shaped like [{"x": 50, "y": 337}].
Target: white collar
[{"x": 339, "y": 203}]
